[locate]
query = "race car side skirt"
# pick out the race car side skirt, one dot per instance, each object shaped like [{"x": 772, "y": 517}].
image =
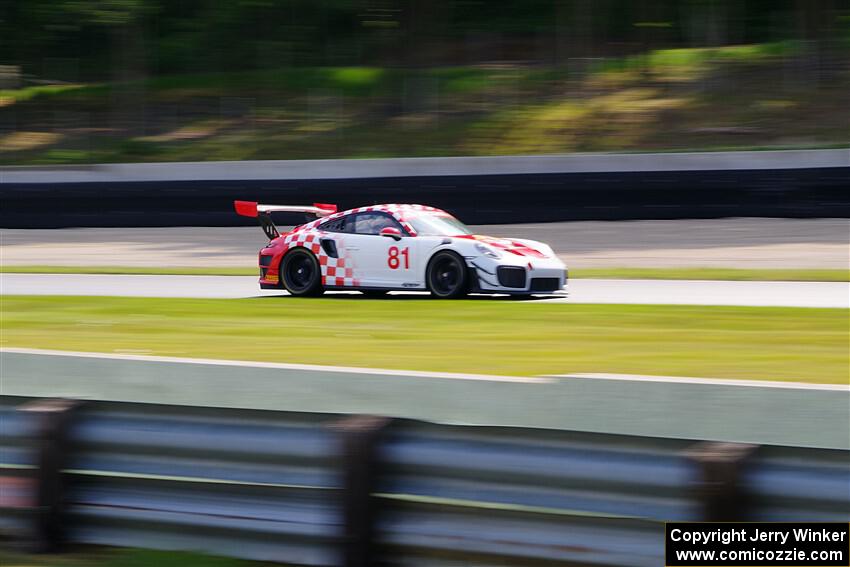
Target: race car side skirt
[{"x": 474, "y": 289}]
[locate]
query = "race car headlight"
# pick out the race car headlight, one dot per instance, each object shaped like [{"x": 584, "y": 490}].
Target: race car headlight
[{"x": 487, "y": 251}]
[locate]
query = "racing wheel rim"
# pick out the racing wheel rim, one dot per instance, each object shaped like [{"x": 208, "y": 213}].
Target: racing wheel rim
[
  {"x": 300, "y": 272},
  {"x": 446, "y": 276}
]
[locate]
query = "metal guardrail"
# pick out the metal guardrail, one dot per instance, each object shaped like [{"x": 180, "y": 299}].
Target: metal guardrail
[
  {"x": 154, "y": 477},
  {"x": 320, "y": 489},
  {"x": 788, "y": 484},
  {"x": 17, "y": 466},
  {"x": 257, "y": 485},
  {"x": 480, "y": 494}
]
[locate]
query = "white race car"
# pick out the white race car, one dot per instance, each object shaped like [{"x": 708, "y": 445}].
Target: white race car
[{"x": 381, "y": 248}]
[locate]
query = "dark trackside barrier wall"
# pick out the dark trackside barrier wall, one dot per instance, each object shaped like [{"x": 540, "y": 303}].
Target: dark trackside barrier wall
[{"x": 476, "y": 199}]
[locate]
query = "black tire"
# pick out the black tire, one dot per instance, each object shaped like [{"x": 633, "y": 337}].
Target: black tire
[
  {"x": 374, "y": 293},
  {"x": 301, "y": 274},
  {"x": 447, "y": 276}
]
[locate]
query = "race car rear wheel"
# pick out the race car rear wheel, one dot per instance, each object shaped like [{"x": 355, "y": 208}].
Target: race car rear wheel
[
  {"x": 301, "y": 274},
  {"x": 447, "y": 276}
]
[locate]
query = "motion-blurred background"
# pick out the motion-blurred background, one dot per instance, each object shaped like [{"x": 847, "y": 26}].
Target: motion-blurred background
[
  {"x": 88, "y": 81},
  {"x": 689, "y": 160}
]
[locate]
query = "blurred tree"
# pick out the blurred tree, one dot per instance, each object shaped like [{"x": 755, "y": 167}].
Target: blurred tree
[{"x": 126, "y": 39}]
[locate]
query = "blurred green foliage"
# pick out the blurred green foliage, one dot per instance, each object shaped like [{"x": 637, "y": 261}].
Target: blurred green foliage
[
  {"x": 154, "y": 80},
  {"x": 105, "y": 38}
]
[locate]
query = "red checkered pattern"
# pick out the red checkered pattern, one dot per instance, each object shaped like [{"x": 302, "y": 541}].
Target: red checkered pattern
[
  {"x": 337, "y": 271},
  {"x": 308, "y": 240},
  {"x": 334, "y": 270},
  {"x": 341, "y": 271}
]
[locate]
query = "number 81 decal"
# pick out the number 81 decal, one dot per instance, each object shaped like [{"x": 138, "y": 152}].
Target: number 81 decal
[{"x": 393, "y": 260}]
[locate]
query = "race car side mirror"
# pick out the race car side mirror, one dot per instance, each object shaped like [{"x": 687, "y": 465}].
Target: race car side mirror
[{"x": 392, "y": 232}]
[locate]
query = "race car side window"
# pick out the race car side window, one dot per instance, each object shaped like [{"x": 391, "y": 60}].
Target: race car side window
[
  {"x": 336, "y": 225},
  {"x": 373, "y": 222}
]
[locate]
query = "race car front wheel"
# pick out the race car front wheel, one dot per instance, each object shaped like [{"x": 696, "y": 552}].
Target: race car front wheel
[
  {"x": 301, "y": 273},
  {"x": 447, "y": 276}
]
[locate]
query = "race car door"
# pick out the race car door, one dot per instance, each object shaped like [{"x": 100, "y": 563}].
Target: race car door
[{"x": 381, "y": 261}]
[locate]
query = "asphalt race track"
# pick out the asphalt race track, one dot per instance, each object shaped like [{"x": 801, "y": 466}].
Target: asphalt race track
[
  {"x": 726, "y": 243},
  {"x": 671, "y": 292}
]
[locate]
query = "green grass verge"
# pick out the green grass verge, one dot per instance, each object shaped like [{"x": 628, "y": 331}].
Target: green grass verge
[
  {"x": 730, "y": 274},
  {"x": 87, "y": 556},
  {"x": 480, "y": 336}
]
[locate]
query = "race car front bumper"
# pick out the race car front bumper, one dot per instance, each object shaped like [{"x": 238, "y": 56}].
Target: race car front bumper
[{"x": 520, "y": 276}]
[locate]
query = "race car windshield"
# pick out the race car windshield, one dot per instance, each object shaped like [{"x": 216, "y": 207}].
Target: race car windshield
[{"x": 438, "y": 225}]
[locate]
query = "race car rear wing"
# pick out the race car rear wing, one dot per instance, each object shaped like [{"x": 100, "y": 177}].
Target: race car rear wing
[{"x": 261, "y": 213}]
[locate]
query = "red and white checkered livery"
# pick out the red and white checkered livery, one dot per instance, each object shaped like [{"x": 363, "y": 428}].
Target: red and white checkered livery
[{"x": 418, "y": 248}]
